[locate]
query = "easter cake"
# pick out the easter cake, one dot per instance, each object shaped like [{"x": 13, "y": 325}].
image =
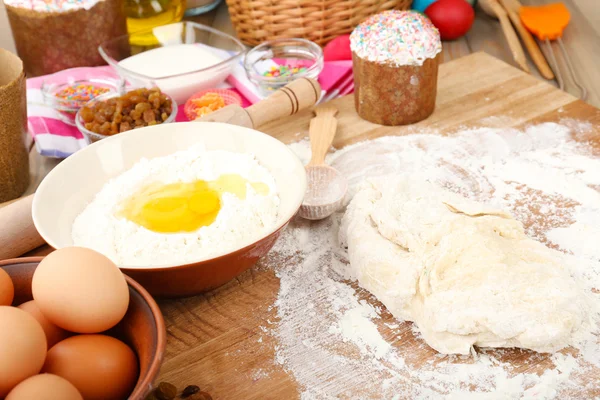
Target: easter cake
[
  {"x": 53, "y": 35},
  {"x": 395, "y": 59}
]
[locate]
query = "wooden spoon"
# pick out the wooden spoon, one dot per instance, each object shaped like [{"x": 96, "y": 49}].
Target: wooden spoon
[
  {"x": 326, "y": 186},
  {"x": 512, "y": 9},
  {"x": 494, "y": 8}
]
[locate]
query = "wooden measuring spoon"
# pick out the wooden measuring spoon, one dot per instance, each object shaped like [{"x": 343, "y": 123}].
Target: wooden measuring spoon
[{"x": 326, "y": 187}]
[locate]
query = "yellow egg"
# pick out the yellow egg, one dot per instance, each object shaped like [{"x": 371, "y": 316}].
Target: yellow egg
[
  {"x": 80, "y": 290},
  {"x": 184, "y": 206},
  {"x": 22, "y": 347},
  {"x": 44, "y": 387},
  {"x": 7, "y": 289}
]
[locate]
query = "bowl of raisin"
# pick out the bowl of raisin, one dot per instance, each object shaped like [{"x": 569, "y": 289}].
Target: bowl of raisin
[{"x": 111, "y": 114}]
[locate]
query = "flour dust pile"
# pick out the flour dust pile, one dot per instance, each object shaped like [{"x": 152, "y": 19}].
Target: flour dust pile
[{"x": 338, "y": 341}]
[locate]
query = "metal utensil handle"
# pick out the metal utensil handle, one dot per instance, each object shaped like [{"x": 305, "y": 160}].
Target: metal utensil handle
[
  {"x": 581, "y": 88},
  {"x": 559, "y": 78}
]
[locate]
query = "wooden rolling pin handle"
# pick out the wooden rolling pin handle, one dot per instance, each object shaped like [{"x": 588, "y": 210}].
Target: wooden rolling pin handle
[
  {"x": 17, "y": 232},
  {"x": 322, "y": 131},
  {"x": 298, "y": 95}
]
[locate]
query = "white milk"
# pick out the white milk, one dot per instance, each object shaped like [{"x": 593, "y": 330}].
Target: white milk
[{"x": 178, "y": 59}]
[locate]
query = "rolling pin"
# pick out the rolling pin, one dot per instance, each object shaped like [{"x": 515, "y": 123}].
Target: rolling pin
[
  {"x": 295, "y": 96},
  {"x": 17, "y": 232}
]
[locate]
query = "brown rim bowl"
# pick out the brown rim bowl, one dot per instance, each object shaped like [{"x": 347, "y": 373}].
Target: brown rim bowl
[
  {"x": 70, "y": 186},
  {"x": 142, "y": 328}
]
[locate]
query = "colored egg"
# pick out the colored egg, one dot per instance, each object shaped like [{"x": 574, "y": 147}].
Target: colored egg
[
  {"x": 421, "y": 5},
  {"x": 54, "y": 334},
  {"x": 100, "y": 367},
  {"x": 338, "y": 49},
  {"x": 7, "y": 289},
  {"x": 22, "y": 347},
  {"x": 44, "y": 387},
  {"x": 453, "y": 18},
  {"x": 80, "y": 290}
]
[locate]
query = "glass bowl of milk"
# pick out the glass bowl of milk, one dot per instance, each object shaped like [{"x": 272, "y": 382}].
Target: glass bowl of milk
[{"x": 189, "y": 57}]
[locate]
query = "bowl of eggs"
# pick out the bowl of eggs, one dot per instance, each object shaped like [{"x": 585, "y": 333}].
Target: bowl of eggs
[
  {"x": 75, "y": 327},
  {"x": 181, "y": 208}
]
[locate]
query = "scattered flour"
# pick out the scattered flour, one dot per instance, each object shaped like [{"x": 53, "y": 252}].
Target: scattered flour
[
  {"x": 238, "y": 223},
  {"x": 336, "y": 342}
]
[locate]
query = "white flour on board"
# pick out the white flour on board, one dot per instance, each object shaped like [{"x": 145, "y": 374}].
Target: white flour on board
[{"x": 331, "y": 336}]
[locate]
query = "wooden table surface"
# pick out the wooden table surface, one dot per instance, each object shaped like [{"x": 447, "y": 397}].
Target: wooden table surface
[{"x": 218, "y": 340}]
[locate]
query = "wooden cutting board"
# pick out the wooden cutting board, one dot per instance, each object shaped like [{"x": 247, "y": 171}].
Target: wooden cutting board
[{"x": 213, "y": 338}]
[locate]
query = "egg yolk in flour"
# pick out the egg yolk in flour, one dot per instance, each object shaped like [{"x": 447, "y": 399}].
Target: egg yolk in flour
[{"x": 184, "y": 206}]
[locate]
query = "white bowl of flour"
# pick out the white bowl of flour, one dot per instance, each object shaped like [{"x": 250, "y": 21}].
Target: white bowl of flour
[{"x": 75, "y": 204}]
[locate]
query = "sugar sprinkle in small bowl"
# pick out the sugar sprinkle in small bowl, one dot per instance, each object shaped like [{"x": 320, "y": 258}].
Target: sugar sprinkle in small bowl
[
  {"x": 274, "y": 64},
  {"x": 69, "y": 90}
]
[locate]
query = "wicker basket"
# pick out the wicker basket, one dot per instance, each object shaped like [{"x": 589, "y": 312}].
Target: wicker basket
[{"x": 257, "y": 21}]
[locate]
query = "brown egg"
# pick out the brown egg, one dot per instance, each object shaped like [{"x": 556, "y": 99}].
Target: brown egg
[
  {"x": 80, "y": 290},
  {"x": 54, "y": 334},
  {"x": 100, "y": 366},
  {"x": 44, "y": 387},
  {"x": 7, "y": 289},
  {"x": 22, "y": 347}
]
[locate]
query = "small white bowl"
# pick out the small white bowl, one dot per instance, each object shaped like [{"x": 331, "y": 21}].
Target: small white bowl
[{"x": 72, "y": 185}]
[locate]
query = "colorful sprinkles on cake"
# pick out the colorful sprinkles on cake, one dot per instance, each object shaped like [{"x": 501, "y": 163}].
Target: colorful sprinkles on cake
[
  {"x": 80, "y": 93},
  {"x": 52, "y": 5},
  {"x": 284, "y": 70},
  {"x": 396, "y": 37}
]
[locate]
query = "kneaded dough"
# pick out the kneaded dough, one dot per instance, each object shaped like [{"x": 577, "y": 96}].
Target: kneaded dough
[{"x": 465, "y": 273}]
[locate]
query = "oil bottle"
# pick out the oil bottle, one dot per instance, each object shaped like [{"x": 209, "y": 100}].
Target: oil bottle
[{"x": 143, "y": 15}]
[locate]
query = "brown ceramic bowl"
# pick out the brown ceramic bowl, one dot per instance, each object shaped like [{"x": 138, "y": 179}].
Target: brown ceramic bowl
[
  {"x": 142, "y": 328},
  {"x": 71, "y": 185}
]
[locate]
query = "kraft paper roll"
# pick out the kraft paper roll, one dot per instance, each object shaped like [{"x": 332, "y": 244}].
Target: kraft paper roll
[{"x": 14, "y": 155}]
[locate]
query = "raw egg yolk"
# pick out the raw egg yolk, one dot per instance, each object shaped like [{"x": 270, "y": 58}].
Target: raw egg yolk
[{"x": 184, "y": 206}]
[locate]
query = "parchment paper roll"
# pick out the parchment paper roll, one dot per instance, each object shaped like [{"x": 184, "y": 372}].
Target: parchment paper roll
[{"x": 14, "y": 155}]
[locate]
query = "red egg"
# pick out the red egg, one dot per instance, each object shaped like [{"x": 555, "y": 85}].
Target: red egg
[
  {"x": 338, "y": 49},
  {"x": 453, "y": 18}
]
